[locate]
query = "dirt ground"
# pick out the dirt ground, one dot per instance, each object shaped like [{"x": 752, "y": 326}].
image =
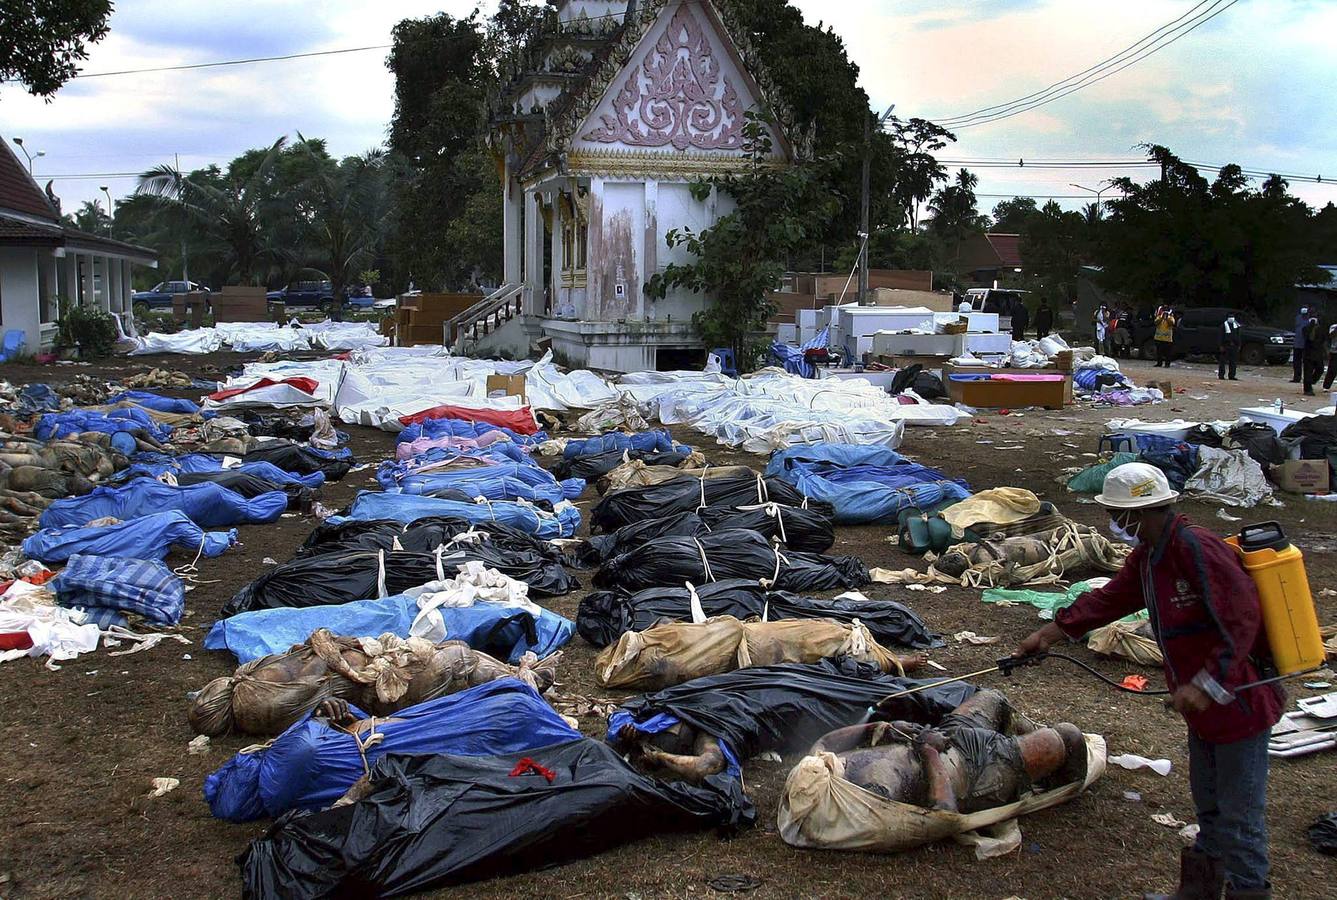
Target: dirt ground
[{"x": 83, "y": 743}]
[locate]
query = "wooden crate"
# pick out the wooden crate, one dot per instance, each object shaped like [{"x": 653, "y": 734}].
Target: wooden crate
[
  {"x": 948, "y": 370},
  {"x": 240, "y": 303},
  {"x": 415, "y": 335}
]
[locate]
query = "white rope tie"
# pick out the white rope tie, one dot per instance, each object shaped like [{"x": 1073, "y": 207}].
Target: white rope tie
[
  {"x": 775, "y": 577},
  {"x": 189, "y": 571},
  {"x": 694, "y": 603},
  {"x": 440, "y": 570},
  {"x": 381, "y": 592},
  {"x": 702, "y": 504},
  {"x": 705, "y": 563}
]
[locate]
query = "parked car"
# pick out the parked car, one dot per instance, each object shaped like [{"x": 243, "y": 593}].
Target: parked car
[
  {"x": 161, "y": 294},
  {"x": 305, "y": 293},
  {"x": 1198, "y": 333}
]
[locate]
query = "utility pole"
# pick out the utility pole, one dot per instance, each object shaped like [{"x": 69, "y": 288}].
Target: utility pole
[
  {"x": 185, "y": 259},
  {"x": 865, "y": 230}
]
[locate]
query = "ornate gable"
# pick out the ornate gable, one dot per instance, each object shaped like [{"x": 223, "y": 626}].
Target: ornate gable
[{"x": 681, "y": 94}]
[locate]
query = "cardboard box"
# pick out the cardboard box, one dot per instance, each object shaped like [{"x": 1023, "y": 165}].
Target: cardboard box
[
  {"x": 1164, "y": 387},
  {"x": 506, "y": 386},
  {"x": 1302, "y": 476},
  {"x": 1006, "y": 394}
]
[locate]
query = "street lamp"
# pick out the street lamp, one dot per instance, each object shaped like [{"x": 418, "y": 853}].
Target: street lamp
[
  {"x": 31, "y": 156},
  {"x": 111, "y": 210},
  {"x": 1082, "y": 187}
]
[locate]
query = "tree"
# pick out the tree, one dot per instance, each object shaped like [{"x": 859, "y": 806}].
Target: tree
[
  {"x": 955, "y": 215},
  {"x": 740, "y": 259},
  {"x": 444, "y": 79},
  {"x": 1053, "y": 244},
  {"x": 229, "y": 210},
  {"x": 41, "y": 41},
  {"x": 349, "y": 208},
  {"x": 1011, "y": 216},
  {"x": 92, "y": 218},
  {"x": 1191, "y": 242}
]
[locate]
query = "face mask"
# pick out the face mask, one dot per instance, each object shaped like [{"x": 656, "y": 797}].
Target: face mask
[{"x": 1129, "y": 538}]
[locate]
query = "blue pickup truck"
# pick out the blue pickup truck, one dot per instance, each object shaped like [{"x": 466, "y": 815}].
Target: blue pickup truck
[
  {"x": 161, "y": 294},
  {"x": 313, "y": 294}
]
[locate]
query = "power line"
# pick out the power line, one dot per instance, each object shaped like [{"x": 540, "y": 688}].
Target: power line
[
  {"x": 226, "y": 62},
  {"x": 1059, "y": 84},
  {"x": 1104, "y": 70}
]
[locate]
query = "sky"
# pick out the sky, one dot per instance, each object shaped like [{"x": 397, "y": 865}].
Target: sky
[{"x": 1250, "y": 86}]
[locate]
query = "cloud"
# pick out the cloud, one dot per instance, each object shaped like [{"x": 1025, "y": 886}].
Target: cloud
[{"x": 1251, "y": 86}]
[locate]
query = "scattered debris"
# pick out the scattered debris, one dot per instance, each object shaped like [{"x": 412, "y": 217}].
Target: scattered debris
[
  {"x": 970, "y": 637},
  {"x": 1168, "y": 820},
  {"x": 199, "y": 745},
  {"x": 164, "y": 786},
  {"x": 1133, "y": 761}
]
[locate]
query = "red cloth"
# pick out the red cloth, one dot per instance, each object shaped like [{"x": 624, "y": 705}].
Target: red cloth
[
  {"x": 521, "y": 420},
  {"x": 308, "y": 385},
  {"x": 1206, "y": 616},
  {"x": 527, "y": 765}
]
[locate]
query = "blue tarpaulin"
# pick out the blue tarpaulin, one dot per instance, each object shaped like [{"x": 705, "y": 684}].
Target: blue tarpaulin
[
  {"x": 143, "y": 586},
  {"x": 148, "y": 537},
  {"x": 406, "y": 508},
  {"x": 506, "y": 632},
  {"x": 507, "y": 481},
  {"x": 208, "y": 505},
  {"x": 863, "y": 483},
  {"x": 76, "y": 421},
  {"x": 656, "y": 441},
  {"x": 313, "y": 764},
  {"x": 156, "y": 402},
  {"x": 196, "y": 463},
  {"x": 792, "y": 358},
  {"x": 435, "y": 428}
]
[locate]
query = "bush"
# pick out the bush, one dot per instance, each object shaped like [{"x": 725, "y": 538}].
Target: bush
[{"x": 88, "y": 328}]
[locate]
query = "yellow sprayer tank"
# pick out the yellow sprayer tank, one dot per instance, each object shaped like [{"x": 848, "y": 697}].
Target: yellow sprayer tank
[{"x": 1289, "y": 618}]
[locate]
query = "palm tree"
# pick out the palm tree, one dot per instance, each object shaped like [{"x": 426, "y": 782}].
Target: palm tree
[
  {"x": 230, "y": 209},
  {"x": 92, "y": 218},
  {"x": 349, "y": 208}
]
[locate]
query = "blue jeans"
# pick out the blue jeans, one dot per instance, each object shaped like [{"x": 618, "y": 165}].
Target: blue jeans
[{"x": 1229, "y": 785}]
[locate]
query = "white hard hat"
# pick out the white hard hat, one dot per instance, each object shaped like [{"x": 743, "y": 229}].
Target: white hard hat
[{"x": 1136, "y": 486}]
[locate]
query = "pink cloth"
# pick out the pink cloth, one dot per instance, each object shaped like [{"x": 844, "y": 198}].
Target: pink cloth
[
  {"x": 1027, "y": 378},
  {"x": 410, "y": 449}
]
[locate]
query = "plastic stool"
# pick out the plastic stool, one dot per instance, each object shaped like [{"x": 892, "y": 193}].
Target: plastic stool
[
  {"x": 728, "y": 365},
  {"x": 1117, "y": 443}
]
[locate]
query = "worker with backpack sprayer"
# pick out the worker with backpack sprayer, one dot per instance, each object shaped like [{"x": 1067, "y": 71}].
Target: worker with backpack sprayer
[{"x": 1207, "y": 616}]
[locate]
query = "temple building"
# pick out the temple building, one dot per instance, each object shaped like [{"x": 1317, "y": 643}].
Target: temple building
[{"x": 620, "y": 109}]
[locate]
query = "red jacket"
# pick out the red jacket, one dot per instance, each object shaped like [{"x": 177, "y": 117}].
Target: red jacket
[{"x": 1205, "y": 614}]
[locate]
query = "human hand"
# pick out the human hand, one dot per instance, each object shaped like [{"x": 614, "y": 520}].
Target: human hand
[
  {"x": 1189, "y": 698},
  {"x": 1040, "y": 640}
]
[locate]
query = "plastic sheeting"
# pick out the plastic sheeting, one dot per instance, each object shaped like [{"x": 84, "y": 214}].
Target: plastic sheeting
[
  {"x": 782, "y": 708},
  {"x": 1228, "y": 477},
  {"x": 207, "y": 505},
  {"x": 153, "y": 401},
  {"x": 313, "y": 763},
  {"x": 346, "y": 576},
  {"x": 433, "y": 429},
  {"x": 604, "y": 616},
  {"x": 344, "y": 335},
  {"x": 446, "y": 819},
  {"x": 772, "y": 409},
  {"x": 689, "y": 494},
  {"x": 143, "y": 586},
  {"x": 729, "y": 554},
  {"x": 508, "y": 481},
  {"x": 864, "y": 484},
  {"x": 64, "y": 424},
  {"x": 563, "y": 522},
  {"x": 195, "y": 340},
  {"x": 333, "y": 464},
  {"x": 502, "y": 629},
  {"x": 423, "y": 535},
  {"x": 148, "y": 537}
]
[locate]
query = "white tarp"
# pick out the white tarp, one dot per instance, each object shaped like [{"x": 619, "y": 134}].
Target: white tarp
[
  {"x": 261, "y": 337},
  {"x": 1228, "y": 477},
  {"x": 773, "y": 409},
  {"x": 199, "y": 340},
  {"x": 340, "y": 336}
]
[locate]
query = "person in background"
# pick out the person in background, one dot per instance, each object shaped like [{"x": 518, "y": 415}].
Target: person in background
[
  {"x": 1021, "y": 319},
  {"x": 1315, "y": 353},
  {"x": 1102, "y": 323},
  {"x": 1228, "y": 354},
  {"x": 1298, "y": 344},
  {"x": 1165, "y": 335},
  {"x": 1044, "y": 320},
  {"x": 1332, "y": 357},
  {"x": 1207, "y": 618}
]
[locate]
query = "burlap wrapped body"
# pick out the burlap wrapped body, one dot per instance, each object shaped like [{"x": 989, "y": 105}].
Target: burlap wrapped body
[
  {"x": 820, "y": 809},
  {"x": 676, "y": 652},
  {"x": 378, "y": 675},
  {"x": 1047, "y": 556}
]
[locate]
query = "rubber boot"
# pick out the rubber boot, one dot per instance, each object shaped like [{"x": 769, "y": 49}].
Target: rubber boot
[{"x": 1200, "y": 878}]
